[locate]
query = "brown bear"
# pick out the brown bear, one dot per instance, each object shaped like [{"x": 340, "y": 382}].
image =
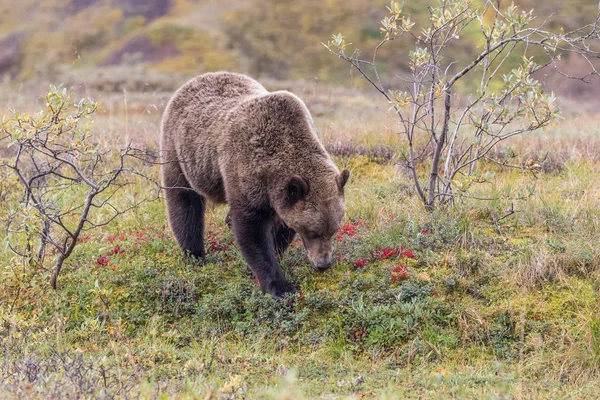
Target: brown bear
[{"x": 225, "y": 138}]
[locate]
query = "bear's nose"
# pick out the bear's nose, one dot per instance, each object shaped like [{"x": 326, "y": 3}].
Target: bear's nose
[{"x": 323, "y": 265}]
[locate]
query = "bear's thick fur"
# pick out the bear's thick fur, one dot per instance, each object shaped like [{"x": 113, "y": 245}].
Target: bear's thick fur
[{"x": 225, "y": 138}]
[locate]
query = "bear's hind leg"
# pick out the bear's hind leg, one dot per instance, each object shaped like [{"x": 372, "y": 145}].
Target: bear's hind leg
[
  {"x": 228, "y": 219},
  {"x": 283, "y": 236},
  {"x": 185, "y": 210}
]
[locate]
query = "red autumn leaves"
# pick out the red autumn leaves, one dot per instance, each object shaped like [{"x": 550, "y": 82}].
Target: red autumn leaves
[
  {"x": 383, "y": 254},
  {"x": 115, "y": 238},
  {"x": 117, "y": 250},
  {"x": 388, "y": 252},
  {"x": 348, "y": 229},
  {"x": 397, "y": 273},
  {"x": 141, "y": 236},
  {"x": 400, "y": 271},
  {"x": 104, "y": 259},
  {"x": 214, "y": 242},
  {"x": 361, "y": 263}
]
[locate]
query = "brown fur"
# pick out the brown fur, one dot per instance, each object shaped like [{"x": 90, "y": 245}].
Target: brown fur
[{"x": 227, "y": 139}]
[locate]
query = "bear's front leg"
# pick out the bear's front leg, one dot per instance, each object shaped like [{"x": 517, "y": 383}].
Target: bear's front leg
[{"x": 254, "y": 235}]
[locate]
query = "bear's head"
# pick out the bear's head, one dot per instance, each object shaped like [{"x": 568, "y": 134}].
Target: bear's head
[{"x": 314, "y": 208}]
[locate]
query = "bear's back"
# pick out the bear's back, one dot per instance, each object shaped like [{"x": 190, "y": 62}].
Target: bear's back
[
  {"x": 194, "y": 122},
  {"x": 204, "y": 99},
  {"x": 225, "y": 85}
]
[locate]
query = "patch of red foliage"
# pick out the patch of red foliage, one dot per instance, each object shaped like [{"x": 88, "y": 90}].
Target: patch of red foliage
[
  {"x": 404, "y": 252},
  {"x": 117, "y": 250},
  {"x": 83, "y": 238},
  {"x": 115, "y": 238},
  {"x": 426, "y": 232},
  {"x": 103, "y": 260},
  {"x": 214, "y": 244},
  {"x": 384, "y": 253},
  {"x": 144, "y": 235},
  {"x": 399, "y": 273},
  {"x": 348, "y": 229}
]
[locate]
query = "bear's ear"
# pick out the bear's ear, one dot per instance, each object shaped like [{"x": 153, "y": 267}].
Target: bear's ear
[
  {"x": 343, "y": 178},
  {"x": 297, "y": 189}
]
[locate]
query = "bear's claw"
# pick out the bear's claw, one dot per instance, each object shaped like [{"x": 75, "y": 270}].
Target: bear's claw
[
  {"x": 279, "y": 290},
  {"x": 228, "y": 220}
]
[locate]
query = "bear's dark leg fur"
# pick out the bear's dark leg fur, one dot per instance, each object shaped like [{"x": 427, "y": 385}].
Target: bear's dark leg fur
[
  {"x": 254, "y": 235},
  {"x": 228, "y": 219},
  {"x": 283, "y": 236},
  {"x": 186, "y": 211}
]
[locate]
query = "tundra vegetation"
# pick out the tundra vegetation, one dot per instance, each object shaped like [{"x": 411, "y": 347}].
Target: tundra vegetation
[{"x": 492, "y": 295}]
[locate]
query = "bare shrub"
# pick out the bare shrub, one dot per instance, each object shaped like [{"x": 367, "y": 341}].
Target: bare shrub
[
  {"x": 65, "y": 181},
  {"x": 502, "y": 101}
]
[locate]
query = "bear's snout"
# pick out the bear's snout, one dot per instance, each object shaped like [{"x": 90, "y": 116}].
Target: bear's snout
[{"x": 323, "y": 265}]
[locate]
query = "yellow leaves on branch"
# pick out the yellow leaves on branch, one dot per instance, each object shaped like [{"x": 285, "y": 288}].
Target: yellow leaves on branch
[
  {"x": 63, "y": 123},
  {"x": 390, "y": 26}
]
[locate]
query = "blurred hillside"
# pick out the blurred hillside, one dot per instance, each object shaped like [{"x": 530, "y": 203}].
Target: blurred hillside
[{"x": 277, "y": 39}]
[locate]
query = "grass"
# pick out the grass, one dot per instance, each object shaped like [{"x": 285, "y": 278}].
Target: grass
[{"x": 469, "y": 302}]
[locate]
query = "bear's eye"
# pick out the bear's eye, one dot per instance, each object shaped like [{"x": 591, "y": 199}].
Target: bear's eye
[{"x": 312, "y": 235}]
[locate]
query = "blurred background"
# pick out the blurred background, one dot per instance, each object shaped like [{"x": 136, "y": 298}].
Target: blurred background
[{"x": 146, "y": 45}]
